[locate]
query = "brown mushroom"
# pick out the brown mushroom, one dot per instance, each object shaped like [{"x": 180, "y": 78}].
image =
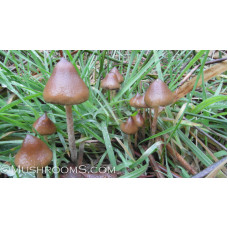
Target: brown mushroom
[
  {"x": 118, "y": 74},
  {"x": 65, "y": 87},
  {"x": 44, "y": 126},
  {"x": 158, "y": 94},
  {"x": 110, "y": 82},
  {"x": 129, "y": 128},
  {"x": 138, "y": 101},
  {"x": 138, "y": 119},
  {"x": 34, "y": 154}
]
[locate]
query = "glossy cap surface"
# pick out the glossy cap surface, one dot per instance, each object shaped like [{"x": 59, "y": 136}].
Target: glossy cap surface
[
  {"x": 158, "y": 94},
  {"x": 34, "y": 153},
  {"x": 118, "y": 74},
  {"x": 138, "y": 119},
  {"x": 44, "y": 126},
  {"x": 110, "y": 82},
  {"x": 129, "y": 127},
  {"x": 138, "y": 101},
  {"x": 65, "y": 87}
]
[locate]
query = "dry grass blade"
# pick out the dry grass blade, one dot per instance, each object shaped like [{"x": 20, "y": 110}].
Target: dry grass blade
[
  {"x": 211, "y": 168},
  {"x": 208, "y": 150},
  {"x": 213, "y": 173},
  {"x": 208, "y": 74},
  {"x": 180, "y": 159}
]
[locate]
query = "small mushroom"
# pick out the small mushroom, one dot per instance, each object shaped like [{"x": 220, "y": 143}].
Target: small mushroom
[
  {"x": 34, "y": 154},
  {"x": 118, "y": 74},
  {"x": 129, "y": 128},
  {"x": 110, "y": 82},
  {"x": 44, "y": 126},
  {"x": 65, "y": 87},
  {"x": 138, "y": 101},
  {"x": 138, "y": 119},
  {"x": 158, "y": 94}
]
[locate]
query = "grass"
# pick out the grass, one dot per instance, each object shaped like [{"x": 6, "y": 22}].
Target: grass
[{"x": 23, "y": 75}]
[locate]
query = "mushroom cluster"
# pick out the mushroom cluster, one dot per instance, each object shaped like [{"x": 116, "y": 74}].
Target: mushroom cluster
[{"x": 112, "y": 81}]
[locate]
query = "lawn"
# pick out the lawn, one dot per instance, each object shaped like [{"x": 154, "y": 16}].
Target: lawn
[{"x": 190, "y": 139}]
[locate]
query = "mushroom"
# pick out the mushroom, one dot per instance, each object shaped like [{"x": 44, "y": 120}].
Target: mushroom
[
  {"x": 44, "y": 126},
  {"x": 118, "y": 74},
  {"x": 138, "y": 102},
  {"x": 65, "y": 87},
  {"x": 110, "y": 82},
  {"x": 129, "y": 128},
  {"x": 158, "y": 94},
  {"x": 34, "y": 153},
  {"x": 139, "y": 121}
]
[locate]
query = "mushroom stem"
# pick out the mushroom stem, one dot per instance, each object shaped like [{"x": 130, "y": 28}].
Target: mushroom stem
[
  {"x": 39, "y": 173},
  {"x": 136, "y": 139},
  {"x": 112, "y": 94},
  {"x": 70, "y": 131},
  {"x": 46, "y": 138},
  {"x": 81, "y": 152},
  {"x": 130, "y": 146},
  {"x": 144, "y": 128},
  {"x": 154, "y": 123}
]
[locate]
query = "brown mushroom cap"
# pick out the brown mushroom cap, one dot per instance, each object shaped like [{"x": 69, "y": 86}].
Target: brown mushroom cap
[
  {"x": 129, "y": 127},
  {"x": 34, "y": 153},
  {"x": 138, "y": 119},
  {"x": 110, "y": 82},
  {"x": 44, "y": 126},
  {"x": 65, "y": 87},
  {"x": 138, "y": 101},
  {"x": 118, "y": 74},
  {"x": 158, "y": 94}
]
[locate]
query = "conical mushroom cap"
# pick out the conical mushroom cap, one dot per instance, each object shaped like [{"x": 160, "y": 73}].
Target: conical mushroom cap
[
  {"x": 65, "y": 87},
  {"x": 118, "y": 74},
  {"x": 158, "y": 94},
  {"x": 34, "y": 153},
  {"x": 44, "y": 126},
  {"x": 110, "y": 82},
  {"x": 138, "y": 101},
  {"x": 129, "y": 127},
  {"x": 138, "y": 119}
]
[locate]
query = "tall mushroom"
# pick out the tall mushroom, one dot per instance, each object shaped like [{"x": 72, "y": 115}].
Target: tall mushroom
[
  {"x": 110, "y": 82},
  {"x": 65, "y": 87},
  {"x": 34, "y": 154},
  {"x": 158, "y": 94},
  {"x": 44, "y": 126}
]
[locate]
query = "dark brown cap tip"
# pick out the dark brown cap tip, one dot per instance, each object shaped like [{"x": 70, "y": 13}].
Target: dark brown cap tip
[{"x": 65, "y": 87}]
